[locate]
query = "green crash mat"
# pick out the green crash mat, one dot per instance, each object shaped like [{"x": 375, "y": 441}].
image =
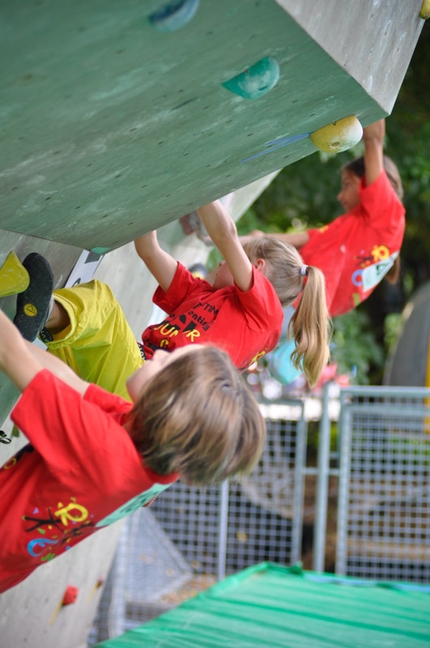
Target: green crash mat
[{"x": 268, "y": 605}]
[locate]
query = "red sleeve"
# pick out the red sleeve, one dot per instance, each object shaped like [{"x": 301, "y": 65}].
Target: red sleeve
[
  {"x": 334, "y": 225},
  {"x": 66, "y": 428},
  {"x": 182, "y": 286},
  {"x": 260, "y": 304},
  {"x": 311, "y": 233},
  {"x": 380, "y": 203},
  {"x": 109, "y": 403}
]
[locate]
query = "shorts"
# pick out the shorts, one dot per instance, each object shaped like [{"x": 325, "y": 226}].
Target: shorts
[{"x": 98, "y": 345}]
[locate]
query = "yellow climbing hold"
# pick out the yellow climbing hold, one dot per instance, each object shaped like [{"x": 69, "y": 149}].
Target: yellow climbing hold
[
  {"x": 338, "y": 136},
  {"x": 425, "y": 10},
  {"x": 13, "y": 276}
]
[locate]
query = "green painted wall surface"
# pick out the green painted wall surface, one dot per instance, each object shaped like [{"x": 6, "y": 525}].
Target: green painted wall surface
[{"x": 112, "y": 128}]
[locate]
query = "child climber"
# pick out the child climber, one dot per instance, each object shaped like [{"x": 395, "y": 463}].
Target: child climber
[
  {"x": 361, "y": 247},
  {"x": 237, "y": 308},
  {"x": 94, "y": 457}
]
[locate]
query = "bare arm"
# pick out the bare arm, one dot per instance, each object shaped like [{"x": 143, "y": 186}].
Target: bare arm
[
  {"x": 297, "y": 239},
  {"x": 223, "y": 232},
  {"x": 159, "y": 263},
  {"x": 373, "y": 138},
  {"x": 20, "y": 360}
]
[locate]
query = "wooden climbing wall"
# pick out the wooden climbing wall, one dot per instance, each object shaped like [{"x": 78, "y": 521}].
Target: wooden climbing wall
[{"x": 120, "y": 116}]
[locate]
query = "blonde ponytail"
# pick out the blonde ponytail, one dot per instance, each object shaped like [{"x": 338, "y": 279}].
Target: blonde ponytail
[
  {"x": 283, "y": 265},
  {"x": 310, "y": 327},
  {"x": 310, "y": 324}
]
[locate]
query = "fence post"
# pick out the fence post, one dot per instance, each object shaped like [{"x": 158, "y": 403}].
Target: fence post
[
  {"x": 299, "y": 483},
  {"x": 223, "y": 528},
  {"x": 322, "y": 484},
  {"x": 344, "y": 437}
]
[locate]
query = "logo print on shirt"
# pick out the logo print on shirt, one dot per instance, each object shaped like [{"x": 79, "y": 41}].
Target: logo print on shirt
[{"x": 61, "y": 525}]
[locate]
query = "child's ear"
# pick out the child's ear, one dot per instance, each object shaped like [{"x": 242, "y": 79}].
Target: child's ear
[{"x": 260, "y": 264}]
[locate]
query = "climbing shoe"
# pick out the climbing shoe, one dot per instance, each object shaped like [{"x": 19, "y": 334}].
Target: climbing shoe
[{"x": 33, "y": 305}]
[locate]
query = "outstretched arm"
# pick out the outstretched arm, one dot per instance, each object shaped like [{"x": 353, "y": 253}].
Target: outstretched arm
[
  {"x": 20, "y": 360},
  {"x": 223, "y": 232},
  {"x": 373, "y": 138},
  {"x": 159, "y": 262},
  {"x": 297, "y": 239}
]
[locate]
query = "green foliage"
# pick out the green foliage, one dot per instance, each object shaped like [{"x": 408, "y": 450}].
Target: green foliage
[
  {"x": 213, "y": 259},
  {"x": 249, "y": 221},
  {"x": 392, "y": 327},
  {"x": 305, "y": 192},
  {"x": 354, "y": 347},
  {"x": 313, "y": 439}
]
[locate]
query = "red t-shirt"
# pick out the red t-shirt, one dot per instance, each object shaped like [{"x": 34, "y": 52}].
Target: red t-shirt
[
  {"x": 79, "y": 473},
  {"x": 246, "y": 325},
  {"x": 357, "y": 249}
]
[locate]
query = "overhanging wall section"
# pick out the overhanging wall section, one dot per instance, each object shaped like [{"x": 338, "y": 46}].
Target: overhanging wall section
[{"x": 113, "y": 127}]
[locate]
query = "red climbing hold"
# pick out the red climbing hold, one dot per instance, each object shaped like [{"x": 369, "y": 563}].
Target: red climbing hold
[{"x": 70, "y": 595}]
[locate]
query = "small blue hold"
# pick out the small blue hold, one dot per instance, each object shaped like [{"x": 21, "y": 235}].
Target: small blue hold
[
  {"x": 174, "y": 15},
  {"x": 256, "y": 80},
  {"x": 100, "y": 250}
]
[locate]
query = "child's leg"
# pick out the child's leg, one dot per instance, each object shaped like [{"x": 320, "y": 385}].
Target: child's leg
[{"x": 98, "y": 343}]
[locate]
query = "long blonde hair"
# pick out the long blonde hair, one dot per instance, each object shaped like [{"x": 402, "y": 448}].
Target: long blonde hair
[
  {"x": 198, "y": 417},
  {"x": 310, "y": 325}
]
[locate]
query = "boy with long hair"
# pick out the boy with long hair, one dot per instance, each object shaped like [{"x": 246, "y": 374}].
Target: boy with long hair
[{"x": 94, "y": 457}]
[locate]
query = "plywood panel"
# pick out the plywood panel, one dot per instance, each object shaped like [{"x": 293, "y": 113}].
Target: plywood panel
[{"x": 112, "y": 127}]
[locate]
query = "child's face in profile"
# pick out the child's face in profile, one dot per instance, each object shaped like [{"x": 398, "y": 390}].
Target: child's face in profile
[
  {"x": 151, "y": 368},
  {"x": 221, "y": 276},
  {"x": 348, "y": 195}
]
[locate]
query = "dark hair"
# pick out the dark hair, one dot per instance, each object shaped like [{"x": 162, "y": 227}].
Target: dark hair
[{"x": 357, "y": 167}]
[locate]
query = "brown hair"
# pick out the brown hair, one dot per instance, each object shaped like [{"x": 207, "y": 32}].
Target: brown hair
[
  {"x": 198, "y": 417},
  {"x": 290, "y": 277},
  {"x": 357, "y": 167}
]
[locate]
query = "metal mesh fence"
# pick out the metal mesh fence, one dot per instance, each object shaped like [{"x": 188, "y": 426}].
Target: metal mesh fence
[
  {"x": 255, "y": 515},
  {"x": 190, "y": 518},
  {"x": 384, "y": 498}
]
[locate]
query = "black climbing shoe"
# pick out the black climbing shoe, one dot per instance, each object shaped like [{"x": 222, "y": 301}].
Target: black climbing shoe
[{"x": 32, "y": 305}]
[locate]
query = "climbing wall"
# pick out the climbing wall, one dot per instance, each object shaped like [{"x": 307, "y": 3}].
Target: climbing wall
[{"x": 120, "y": 115}]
